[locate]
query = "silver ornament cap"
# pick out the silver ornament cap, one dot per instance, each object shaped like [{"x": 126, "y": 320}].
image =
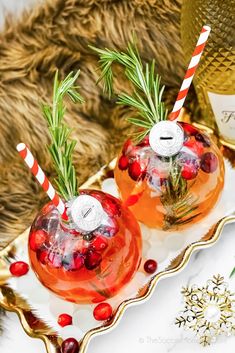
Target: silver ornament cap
[
  {"x": 166, "y": 138},
  {"x": 87, "y": 212}
]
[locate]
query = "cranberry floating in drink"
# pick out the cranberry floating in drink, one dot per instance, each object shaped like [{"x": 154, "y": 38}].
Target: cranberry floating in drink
[
  {"x": 169, "y": 174},
  {"x": 84, "y": 246}
]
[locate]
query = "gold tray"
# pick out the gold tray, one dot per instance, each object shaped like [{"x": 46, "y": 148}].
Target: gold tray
[{"x": 34, "y": 327}]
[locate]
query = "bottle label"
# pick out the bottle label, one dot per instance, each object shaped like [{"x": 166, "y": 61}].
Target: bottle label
[{"x": 223, "y": 107}]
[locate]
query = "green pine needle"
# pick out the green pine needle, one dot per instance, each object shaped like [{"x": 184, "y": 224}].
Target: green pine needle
[
  {"x": 61, "y": 149},
  {"x": 147, "y": 94},
  {"x": 232, "y": 273}
]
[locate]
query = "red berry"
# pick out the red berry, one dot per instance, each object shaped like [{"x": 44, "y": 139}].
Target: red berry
[
  {"x": 19, "y": 268},
  {"x": 111, "y": 206},
  {"x": 92, "y": 260},
  {"x": 150, "y": 266},
  {"x": 64, "y": 320},
  {"x": 123, "y": 163},
  {"x": 127, "y": 147},
  {"x": 37, "y": 239},
  {"x": 190, "y": 129},
  {"x": 189, "y": 171},
  {"x": 209, "y": 162},
  {"x": 70, "y": 345},
  {"x": 103, "y": 311},
  {"x": 100, "y": 243},
  {"x": 194, "y": 146},
  {"x": 135, "y": 171},
  {"x": 144, "y": 142},
  {"x": 42, "y": 256}
]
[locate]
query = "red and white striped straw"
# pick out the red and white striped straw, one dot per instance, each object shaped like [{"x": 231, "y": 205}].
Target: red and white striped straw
[
  {"x": 190, "y": 72},
  {"x": 40, "y": 176}
]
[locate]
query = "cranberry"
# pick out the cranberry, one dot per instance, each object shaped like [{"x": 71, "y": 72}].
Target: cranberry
[
  {"x": 204, "y": 139},
  {"x": 64, "y": 320},
  {"x": 19, "y": 268},
  {"x": 92, "y": 260},
  {"x": 70, "y": 345},
  {"x": 127, "y": 147},
  {"x": 150, "y": 266},
  {"x": 144, "y": 142},
  {"x": 189, "y": 171},
  {"x": 103, "y": 311},
  {"x": 100, "y": 243},
  {"x": 111, "y": 206},
  {"x": 73, "y": 262},
  {"x": 37, "y": 239},
  {"x": 42, "y": 256},
  {"x": 209, "y": 162},
  {"x": 190, "y": 129},
  {"x": 135, "y": 171},
  {"x": 194, "y": 146},
  {"x": 123, "y": 163}
]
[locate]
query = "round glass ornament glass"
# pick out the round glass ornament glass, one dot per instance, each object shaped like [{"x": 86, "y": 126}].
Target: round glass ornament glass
[
  {"x": 175, "y": 191},
  {"x": 91, "y": 265}
]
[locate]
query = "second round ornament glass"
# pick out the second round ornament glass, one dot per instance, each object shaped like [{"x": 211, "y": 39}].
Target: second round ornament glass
[{"x": 172, "y": 192}]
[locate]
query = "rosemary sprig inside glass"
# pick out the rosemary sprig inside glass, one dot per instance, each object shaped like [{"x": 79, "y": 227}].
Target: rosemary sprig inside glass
[{"x": 176, "y": 199}]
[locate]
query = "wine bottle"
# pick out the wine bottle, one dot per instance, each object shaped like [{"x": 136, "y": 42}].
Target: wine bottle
[{"x": 215, "y": 76}]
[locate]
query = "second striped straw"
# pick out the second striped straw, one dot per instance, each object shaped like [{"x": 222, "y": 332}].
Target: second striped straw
[{"x": 190, "y": 72}]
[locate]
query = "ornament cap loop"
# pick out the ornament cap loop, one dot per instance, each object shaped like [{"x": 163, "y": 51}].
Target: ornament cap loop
[
  {"x": 86, "y": 212},
  {"x": 166, "y": 138}
]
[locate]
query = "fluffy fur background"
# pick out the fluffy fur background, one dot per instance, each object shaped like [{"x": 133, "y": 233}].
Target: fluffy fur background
[{"x": 56, "y": 36}]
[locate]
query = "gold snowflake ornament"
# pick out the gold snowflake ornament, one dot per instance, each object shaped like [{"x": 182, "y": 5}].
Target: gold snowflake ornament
[{"x": 209, "y": 311}]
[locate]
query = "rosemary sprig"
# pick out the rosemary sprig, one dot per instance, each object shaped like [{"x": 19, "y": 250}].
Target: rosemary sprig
[
  {"x": 176, "y": 199},
  {"x": 61, "y": 148},
  {"x": 147, "y": 94},
  {"x": 146, "y": 99}
]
